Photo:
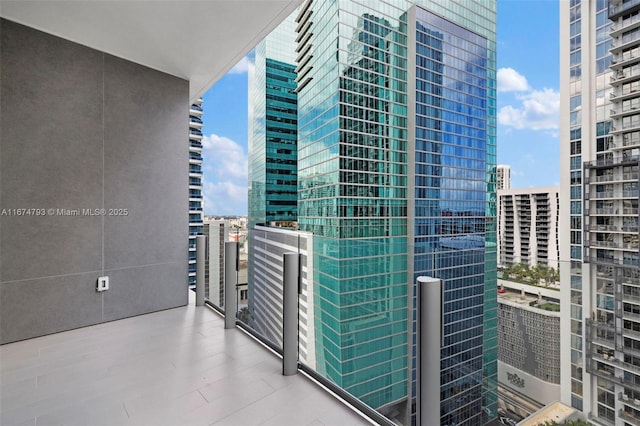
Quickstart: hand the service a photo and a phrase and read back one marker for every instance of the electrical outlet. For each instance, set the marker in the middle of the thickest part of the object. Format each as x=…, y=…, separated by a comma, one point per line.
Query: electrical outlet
x=103, y=284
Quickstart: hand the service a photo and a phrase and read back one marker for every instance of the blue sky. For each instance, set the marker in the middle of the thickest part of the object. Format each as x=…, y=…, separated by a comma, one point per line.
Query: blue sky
x=528, y=101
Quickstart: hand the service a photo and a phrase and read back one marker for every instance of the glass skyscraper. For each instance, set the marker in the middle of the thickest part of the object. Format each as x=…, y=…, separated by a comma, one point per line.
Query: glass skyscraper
x=396, y=179
x=273, y=129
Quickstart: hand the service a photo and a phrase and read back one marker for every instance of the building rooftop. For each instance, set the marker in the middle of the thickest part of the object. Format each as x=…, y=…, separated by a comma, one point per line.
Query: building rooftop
x=174, y=367
x=555, y=412
x=514, y=295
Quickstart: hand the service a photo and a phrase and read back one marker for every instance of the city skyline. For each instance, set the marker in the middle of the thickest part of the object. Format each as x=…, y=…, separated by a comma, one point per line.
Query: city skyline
x=528, y=102
x=395, y=152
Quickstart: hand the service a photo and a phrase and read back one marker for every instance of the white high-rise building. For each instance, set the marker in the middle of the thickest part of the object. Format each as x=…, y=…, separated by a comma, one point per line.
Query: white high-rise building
x=503, y=177
x=600, y=147
x=196, y=211
x=217, y=233
x=528, y=226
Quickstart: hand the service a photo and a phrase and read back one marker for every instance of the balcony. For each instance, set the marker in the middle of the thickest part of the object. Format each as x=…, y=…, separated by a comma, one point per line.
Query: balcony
x=620, y=8
x=604, y=178
x=615, y=161
x=604, y=244
x=177, y=366
x=624, y=25
x=621, y=95
x=622, y=60
x=622, y=77
x=628, y=415
x=623, y=112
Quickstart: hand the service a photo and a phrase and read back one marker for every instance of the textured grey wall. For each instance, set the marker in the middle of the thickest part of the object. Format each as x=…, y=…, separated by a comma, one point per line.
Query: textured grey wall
x=81, y=129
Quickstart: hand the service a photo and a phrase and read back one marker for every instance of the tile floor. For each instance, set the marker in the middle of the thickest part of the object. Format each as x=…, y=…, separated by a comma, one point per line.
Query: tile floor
x=175, y=367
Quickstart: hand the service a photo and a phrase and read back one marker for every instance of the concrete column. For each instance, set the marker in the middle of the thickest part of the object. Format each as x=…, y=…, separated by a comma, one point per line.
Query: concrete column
x=290, y=276
x=429, y=344
x=230, y=281
x=201, y=255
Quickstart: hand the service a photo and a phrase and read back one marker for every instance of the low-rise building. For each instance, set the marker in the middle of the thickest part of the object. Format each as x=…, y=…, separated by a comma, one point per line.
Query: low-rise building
x=529, y=341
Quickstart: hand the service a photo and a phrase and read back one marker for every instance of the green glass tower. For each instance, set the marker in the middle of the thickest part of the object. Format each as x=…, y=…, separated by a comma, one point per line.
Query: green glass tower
x=396, y=179
x=273, y=129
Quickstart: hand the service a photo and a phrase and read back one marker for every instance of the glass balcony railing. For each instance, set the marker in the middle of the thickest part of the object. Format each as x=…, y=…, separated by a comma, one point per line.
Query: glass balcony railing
x=371, y=340
x=618, y=8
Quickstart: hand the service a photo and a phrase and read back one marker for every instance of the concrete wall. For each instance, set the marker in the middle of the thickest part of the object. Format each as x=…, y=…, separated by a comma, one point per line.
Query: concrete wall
x=528, y=385
x=81, y=129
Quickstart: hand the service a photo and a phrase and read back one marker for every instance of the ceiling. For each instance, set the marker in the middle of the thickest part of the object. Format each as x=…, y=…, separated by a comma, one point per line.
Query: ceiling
x=196, y=40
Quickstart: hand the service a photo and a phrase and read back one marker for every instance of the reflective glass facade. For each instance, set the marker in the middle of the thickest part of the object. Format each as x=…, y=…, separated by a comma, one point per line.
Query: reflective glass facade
x=273, y=129
x=454, y=231
x=396, y=155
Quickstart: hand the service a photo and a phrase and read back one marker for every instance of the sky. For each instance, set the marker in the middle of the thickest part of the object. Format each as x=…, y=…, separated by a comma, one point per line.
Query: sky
x=528, y=107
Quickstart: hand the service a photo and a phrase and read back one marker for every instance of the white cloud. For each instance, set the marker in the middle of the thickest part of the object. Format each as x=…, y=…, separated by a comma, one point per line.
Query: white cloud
x=241, y=67
x=225, y=175
x=224, y=198
x=539, y=110
x=226, y=159
x=510, y=80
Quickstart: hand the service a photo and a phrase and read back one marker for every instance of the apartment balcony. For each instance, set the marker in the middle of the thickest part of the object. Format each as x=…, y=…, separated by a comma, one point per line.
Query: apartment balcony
x=620, y=95
x=195, y=135
x=630, y=298
x=618, y=128
x=618, y=8
x=621, y=77
x=619, y=44
x=627, y=140
x=604, y=211
x=600, y=179
x=603, y=244
x=604, y=194
x=623, y=60
x=611, y=228
x=178, y=366
x=629, y=415
x=615, y=194
x=624, y=25
x=619, y=160
x=603, y=260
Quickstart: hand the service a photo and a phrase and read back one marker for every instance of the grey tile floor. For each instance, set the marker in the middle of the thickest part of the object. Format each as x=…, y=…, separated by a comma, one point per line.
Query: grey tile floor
x=175, y=367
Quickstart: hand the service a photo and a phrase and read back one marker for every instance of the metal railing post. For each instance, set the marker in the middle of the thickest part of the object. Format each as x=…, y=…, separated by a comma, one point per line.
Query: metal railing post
x=290, y=277
x=429, y=344
x=230, y=282
x=201, y=253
